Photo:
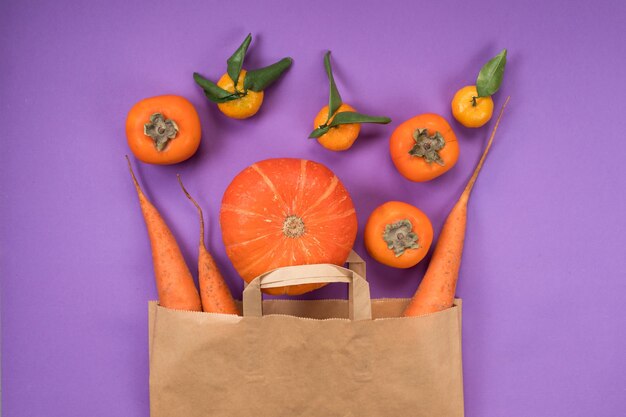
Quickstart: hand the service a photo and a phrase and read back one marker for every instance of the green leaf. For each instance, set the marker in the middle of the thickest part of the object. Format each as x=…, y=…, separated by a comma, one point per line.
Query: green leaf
x=490, y=76
x=212, y=91
x=235, y=62
x=347, y=117
x=260, y=79
x=334, y=100
x=319, y=132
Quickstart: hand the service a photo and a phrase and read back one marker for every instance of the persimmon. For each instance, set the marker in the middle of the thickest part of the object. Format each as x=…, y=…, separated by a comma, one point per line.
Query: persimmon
x=239, y=93
x=163, y=130
x=398, y=234
x=282, y=212
x=424, y=147
x=337, y=125
x=471, y=110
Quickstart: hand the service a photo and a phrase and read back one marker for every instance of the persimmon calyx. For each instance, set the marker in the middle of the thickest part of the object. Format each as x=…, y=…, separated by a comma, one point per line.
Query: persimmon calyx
x=428, y=146
x=293, y=226
x=399, y=237
x=161, y=130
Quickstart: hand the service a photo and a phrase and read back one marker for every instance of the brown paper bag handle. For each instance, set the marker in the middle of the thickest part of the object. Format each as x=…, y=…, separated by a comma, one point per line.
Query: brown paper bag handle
x=359, y=303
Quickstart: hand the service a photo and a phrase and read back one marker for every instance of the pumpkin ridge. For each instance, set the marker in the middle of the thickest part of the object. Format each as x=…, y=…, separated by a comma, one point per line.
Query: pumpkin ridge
x=271, y=186
x=320, y=220
x=305, y=250
x=333, y=185
x=316, y=242
x=299, y=197
x=345, y=247
x=247, y=242
x=237, y=210
x=293, y=253
x=250, y=267
x=337, y=205
x=334, y=208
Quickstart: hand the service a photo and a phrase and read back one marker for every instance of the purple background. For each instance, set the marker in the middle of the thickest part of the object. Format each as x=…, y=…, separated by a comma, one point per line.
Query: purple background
x=543, y=273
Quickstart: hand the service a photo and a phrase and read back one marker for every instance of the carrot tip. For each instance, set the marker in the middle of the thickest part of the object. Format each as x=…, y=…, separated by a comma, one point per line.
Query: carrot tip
x=195, y=203
x=472, y=180
x=180, y=181
x=132, y=174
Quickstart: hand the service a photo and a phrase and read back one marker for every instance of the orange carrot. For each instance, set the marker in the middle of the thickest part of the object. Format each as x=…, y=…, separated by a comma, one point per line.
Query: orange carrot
x=174, y=281
x=215, y=294
x=437, y=289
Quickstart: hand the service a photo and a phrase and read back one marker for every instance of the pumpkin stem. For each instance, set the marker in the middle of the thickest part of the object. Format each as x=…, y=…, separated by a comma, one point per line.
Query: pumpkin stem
x=293, y=226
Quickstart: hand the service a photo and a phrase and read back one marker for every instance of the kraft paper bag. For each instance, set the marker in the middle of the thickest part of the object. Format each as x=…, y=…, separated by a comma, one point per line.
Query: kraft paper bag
x=306, y=358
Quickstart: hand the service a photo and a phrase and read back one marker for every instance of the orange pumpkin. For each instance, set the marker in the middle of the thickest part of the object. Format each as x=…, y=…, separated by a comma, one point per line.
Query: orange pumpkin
x=282, y=212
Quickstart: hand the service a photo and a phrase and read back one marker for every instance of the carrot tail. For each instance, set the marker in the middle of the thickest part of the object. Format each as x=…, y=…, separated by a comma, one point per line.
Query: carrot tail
x=438, y=287
x=215, y=294
x=174, y=281
x=470, y=184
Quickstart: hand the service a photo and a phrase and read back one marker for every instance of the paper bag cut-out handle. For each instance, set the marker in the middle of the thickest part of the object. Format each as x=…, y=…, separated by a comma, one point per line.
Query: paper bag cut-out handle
x=359, y=303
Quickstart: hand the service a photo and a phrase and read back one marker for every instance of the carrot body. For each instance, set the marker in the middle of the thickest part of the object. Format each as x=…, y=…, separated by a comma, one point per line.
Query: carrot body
x=437, y=289
x=174, y=281
x=214, y=293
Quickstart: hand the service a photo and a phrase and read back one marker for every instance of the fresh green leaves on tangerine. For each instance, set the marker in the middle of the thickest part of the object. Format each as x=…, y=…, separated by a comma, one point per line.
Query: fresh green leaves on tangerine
x=260, y=79
x=212, y=91
x=334, y=100
x=235, y=62
x=347, y=117
x=491, y=74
